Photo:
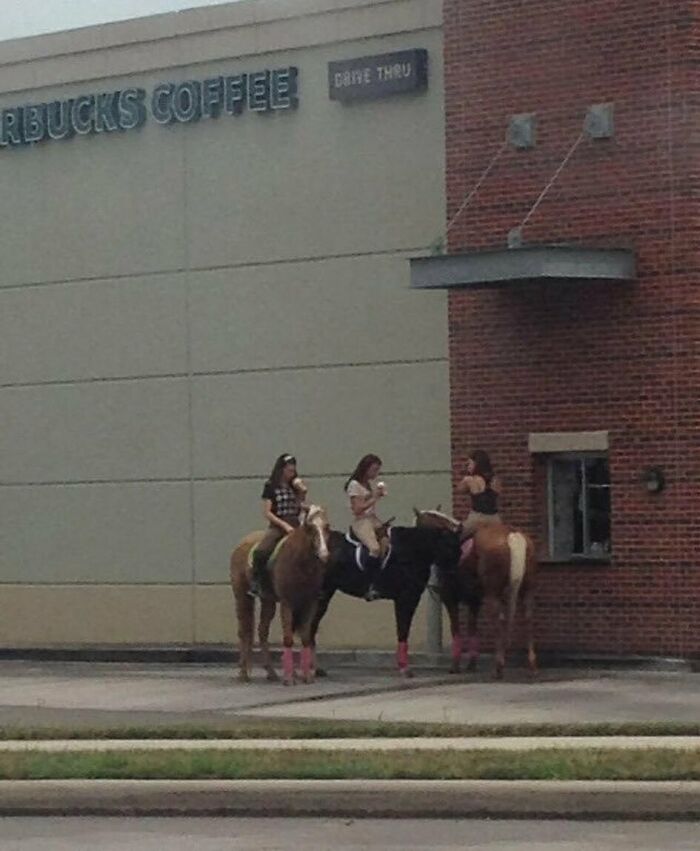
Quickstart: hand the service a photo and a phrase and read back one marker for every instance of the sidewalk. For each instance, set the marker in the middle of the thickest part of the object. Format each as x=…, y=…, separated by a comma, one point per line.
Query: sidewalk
x=124, y=696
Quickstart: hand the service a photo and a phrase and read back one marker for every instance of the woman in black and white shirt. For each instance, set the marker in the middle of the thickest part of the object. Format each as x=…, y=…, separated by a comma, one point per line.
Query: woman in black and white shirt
x=282, y=502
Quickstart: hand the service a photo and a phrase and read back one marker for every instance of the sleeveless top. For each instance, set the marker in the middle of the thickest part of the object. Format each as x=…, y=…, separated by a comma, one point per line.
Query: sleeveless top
x=485, y=502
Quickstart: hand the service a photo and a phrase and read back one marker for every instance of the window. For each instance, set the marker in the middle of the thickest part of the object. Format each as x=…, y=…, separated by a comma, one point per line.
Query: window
x=578, y=499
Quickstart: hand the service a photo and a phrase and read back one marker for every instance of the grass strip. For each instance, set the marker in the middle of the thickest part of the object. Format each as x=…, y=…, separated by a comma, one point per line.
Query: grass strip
x=256, y=728
x=546, y=764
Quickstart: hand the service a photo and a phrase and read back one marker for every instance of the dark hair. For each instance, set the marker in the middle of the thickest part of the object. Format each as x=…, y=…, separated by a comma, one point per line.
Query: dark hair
x=280, y=464
x=360, y=471
x=482, y=464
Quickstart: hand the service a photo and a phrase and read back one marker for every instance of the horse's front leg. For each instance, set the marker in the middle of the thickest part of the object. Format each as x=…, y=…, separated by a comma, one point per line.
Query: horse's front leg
x=267, y=613
x=308, y=661
x=452, y=606
x=321, y=609
x=287, y=617
x=404, y=608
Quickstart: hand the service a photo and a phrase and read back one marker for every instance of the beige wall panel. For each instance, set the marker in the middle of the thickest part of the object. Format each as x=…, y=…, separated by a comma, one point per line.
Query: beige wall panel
x=42, y=616
x=95, y=206
x=341, y=311
x=226, y=511
x=127, y=533
x=96, y=329
x=202, y=34
x=328, y=417
x=349, y=624
x=355, y=178
x=101, y=431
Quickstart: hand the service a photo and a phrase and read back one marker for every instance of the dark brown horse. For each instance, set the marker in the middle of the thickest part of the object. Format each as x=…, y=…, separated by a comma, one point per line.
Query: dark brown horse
x=499, y=566
x=296, y=571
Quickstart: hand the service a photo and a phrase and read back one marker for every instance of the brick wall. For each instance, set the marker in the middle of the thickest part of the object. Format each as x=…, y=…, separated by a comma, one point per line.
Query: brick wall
x=586, y=356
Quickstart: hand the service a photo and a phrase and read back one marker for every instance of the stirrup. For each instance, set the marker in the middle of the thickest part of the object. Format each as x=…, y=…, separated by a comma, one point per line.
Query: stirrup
x=372, y=594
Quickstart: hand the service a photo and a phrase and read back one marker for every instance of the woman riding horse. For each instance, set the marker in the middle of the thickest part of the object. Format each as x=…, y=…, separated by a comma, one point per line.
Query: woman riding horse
x=499, y=564
x=481, y=484
x=282, y=503
x=364, y=493
x=296, y=575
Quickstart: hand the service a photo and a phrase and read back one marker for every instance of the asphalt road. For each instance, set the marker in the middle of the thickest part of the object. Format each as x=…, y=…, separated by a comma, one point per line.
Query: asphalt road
x=69, y=834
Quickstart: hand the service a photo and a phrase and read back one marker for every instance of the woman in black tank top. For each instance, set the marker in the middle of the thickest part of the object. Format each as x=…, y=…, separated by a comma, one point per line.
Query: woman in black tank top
x=483, y=488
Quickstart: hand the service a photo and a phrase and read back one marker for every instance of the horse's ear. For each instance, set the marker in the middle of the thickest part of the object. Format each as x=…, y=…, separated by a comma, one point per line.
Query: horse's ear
x=439, y=506
x=416, y=512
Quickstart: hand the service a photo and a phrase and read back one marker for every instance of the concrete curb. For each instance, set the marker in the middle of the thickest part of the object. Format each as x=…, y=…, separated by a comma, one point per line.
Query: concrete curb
x=355, y=799
x=346, y=745
x=225, y=654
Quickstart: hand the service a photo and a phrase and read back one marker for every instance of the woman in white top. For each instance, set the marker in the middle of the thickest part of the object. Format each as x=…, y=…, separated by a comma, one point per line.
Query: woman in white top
x=364, y=493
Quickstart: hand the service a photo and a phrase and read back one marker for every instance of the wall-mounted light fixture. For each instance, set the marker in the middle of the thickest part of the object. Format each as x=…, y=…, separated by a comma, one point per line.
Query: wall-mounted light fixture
x=653, y=479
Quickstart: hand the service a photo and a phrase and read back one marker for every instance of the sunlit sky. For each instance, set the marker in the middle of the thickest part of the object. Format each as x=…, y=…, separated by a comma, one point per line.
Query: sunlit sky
x=19, y=18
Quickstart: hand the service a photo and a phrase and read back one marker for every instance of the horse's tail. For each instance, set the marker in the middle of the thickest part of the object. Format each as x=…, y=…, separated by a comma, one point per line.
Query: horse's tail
x=517, y=544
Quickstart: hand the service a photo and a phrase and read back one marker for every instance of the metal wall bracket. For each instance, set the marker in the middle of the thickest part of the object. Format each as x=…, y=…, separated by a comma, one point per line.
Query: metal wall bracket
x=599, y=122
x=522, y=131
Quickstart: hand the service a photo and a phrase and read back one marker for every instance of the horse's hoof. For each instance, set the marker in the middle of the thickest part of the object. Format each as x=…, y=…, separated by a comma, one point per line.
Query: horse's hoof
x=471, y=665
x=406, y=673
x=272, y=676
x=308, y=679
x=243, y=677
x=321, y=672
x=498, y=673
x=455, y=668
x=287, y=681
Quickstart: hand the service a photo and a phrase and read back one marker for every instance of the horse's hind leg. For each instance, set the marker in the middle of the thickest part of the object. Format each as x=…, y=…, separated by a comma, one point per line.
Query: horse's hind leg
x=267, y=613
x=287, y=618
x=501, y=637
x=472, y=635
x=528, y=604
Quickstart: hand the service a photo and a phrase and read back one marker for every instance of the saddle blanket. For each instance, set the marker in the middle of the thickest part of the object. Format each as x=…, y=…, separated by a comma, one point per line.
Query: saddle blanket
x=362, y=553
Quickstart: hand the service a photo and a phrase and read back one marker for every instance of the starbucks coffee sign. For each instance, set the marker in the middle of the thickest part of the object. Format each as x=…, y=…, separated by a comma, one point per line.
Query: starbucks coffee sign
x=168, y=103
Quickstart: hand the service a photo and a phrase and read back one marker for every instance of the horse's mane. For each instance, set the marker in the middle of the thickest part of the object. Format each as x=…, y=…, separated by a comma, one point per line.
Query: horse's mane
x=440, y=515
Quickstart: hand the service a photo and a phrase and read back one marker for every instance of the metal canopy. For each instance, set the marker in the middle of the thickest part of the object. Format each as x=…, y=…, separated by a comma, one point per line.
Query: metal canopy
x=526, y=263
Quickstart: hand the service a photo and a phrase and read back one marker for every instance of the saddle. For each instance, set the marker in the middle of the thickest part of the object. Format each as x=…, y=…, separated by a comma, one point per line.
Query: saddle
x=361, y=553
x=271, y=557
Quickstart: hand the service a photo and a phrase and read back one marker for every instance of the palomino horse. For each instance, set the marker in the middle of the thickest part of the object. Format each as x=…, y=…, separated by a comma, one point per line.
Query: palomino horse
x=296, y=570
x=499, y=566
x=402, y=579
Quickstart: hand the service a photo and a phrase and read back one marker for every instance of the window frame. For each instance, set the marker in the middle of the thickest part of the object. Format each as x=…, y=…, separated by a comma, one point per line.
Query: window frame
x=580, y=456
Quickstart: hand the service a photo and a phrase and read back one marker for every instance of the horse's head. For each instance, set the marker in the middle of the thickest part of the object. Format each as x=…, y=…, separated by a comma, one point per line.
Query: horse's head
x=317, y=528
x=436, y=520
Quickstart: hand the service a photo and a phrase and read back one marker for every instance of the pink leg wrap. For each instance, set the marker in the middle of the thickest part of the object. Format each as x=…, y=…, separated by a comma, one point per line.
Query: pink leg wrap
x=402, y=655
x=288, y=663
x=473, y=646
x=306, y=661
x=456, y=646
